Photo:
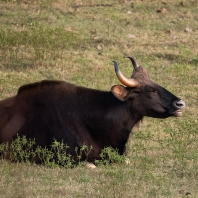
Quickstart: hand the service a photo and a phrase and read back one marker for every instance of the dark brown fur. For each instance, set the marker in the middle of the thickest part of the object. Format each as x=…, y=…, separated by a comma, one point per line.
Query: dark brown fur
x=78, y=116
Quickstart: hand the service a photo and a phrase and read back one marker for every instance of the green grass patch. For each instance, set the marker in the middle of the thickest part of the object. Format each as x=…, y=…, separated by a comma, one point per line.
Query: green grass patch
x=35, y=44
x=76, y=41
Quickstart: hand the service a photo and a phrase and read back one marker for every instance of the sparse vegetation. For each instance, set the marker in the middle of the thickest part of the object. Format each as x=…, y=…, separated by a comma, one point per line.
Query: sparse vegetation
x=76, y=41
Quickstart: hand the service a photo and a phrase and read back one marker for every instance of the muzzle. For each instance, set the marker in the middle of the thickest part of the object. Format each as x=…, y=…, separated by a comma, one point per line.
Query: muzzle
x=179, y=105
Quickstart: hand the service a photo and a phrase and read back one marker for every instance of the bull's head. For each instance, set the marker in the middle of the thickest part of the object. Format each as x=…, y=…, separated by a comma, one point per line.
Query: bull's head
x=148, y=98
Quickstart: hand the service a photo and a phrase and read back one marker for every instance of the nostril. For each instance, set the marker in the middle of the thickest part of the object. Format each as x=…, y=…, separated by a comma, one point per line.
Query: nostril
x=179, y=104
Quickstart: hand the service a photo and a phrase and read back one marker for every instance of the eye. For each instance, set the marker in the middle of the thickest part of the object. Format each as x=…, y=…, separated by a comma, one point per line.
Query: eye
x=151, y=90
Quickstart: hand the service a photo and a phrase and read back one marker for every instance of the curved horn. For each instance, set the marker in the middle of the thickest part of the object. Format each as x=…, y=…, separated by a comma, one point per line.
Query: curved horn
x=135, y=64
x=130, y=82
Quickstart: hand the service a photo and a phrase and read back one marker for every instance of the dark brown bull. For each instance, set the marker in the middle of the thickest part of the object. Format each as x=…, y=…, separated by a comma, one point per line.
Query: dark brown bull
x=78, y=116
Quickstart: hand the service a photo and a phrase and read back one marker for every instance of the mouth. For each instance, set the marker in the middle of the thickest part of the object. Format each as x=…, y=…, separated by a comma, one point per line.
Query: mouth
x=177, y=113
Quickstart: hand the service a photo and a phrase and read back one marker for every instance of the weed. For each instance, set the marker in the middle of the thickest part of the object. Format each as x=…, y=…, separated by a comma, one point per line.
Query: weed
x=63, y=158
x=21, y=149
x=3, y=150
x=109, y=155
x=82, y=152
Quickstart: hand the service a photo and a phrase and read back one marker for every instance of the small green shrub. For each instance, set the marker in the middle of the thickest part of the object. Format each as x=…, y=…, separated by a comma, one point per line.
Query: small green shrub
x=109, y=155
x=63, y=158
x=21, y=149
x=82, y=152
x=3, y=150
x=25, y=150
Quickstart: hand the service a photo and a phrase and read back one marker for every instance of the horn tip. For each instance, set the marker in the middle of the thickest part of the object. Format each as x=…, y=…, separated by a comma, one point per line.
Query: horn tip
x=116, y=65
x=135, y=64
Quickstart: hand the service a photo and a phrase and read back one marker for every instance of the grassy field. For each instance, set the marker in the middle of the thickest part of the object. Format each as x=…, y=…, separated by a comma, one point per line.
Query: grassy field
x=76, y=41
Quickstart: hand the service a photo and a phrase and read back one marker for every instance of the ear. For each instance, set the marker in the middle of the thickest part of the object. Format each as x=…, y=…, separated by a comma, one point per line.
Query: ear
x=119, y=92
